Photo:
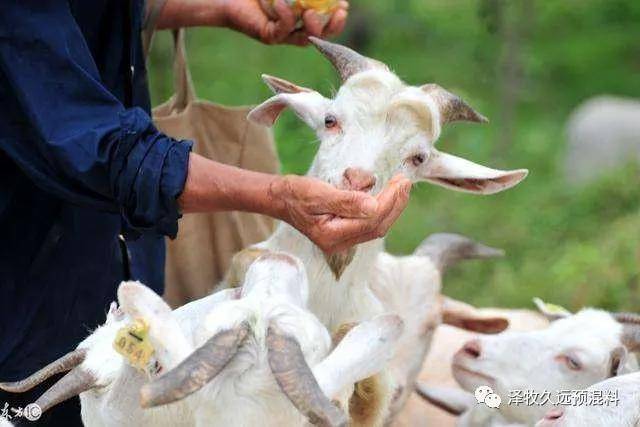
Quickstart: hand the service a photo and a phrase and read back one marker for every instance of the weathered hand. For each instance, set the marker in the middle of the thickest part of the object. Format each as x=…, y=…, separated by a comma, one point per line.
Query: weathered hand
x=247, y=16
x=334, y=219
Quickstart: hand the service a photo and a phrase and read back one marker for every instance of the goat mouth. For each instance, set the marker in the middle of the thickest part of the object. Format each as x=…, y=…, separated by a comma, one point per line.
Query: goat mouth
x=459, y=369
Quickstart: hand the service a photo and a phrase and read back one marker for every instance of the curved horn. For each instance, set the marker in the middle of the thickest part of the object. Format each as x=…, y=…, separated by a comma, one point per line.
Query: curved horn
x=297, y=381
x=627, y=318
x=346, y=61
x=631, y=336
x=447, y=249
x=72, y=384
x=195, y=371
x=452, y=107
x=63, y=364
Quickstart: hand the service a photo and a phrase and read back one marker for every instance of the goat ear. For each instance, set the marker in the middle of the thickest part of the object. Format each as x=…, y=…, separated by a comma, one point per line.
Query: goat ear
x=309, y=106
x=453, y=400
x=362, y=353
x=462, y=175
x=465, y=316
x=618, y=361
x=140, y=302
x=278, y=85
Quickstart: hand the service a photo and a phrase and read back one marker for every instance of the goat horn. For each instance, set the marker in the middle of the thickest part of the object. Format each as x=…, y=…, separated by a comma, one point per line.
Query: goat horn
x=627, y=318
x=346, y=61
x=63, y=364
x=72, y=384
x=195, y=371
x=452, y=107
x=296, y=380
x=631, y=336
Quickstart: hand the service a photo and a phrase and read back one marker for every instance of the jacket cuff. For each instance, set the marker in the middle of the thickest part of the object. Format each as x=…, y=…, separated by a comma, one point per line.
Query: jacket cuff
x=149, y=171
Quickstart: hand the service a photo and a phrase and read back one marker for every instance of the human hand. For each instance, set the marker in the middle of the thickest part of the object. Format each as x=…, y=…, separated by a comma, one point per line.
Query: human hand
x=334, y=219
x=247, y=16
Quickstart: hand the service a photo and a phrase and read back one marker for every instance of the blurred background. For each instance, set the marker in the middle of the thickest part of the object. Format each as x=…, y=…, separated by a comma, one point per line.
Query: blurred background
x=572, y=229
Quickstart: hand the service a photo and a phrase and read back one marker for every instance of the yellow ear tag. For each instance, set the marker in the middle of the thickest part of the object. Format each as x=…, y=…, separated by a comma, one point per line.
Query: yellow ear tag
x=550, y=308
x=132, y=342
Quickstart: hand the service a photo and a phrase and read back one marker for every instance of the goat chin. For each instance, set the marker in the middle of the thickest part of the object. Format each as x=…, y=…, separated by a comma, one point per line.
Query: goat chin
x=333, y=301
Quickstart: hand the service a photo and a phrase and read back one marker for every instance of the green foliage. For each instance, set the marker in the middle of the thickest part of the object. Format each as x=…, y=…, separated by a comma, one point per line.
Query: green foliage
x=573, y=247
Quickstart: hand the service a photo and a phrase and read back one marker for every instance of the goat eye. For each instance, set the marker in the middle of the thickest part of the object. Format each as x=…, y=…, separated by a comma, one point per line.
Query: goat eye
x=573, y=363
x=418, y=159
x=330, y=121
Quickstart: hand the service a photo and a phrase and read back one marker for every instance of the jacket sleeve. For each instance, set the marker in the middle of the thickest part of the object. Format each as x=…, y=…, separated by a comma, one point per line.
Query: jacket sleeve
x=66, y=131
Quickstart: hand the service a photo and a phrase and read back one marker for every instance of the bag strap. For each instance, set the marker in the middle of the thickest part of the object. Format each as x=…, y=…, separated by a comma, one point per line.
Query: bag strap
x=182, y=82
x=153, y=9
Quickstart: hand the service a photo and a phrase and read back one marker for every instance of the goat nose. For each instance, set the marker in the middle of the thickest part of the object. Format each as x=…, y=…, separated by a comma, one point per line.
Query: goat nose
x=554, y=414
x=472, y=349
x=357, y=179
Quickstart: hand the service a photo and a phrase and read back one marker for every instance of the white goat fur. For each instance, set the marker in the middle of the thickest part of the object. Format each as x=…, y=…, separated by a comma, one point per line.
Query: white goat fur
x=537, y=360
x=245, y=392
x=625, y=413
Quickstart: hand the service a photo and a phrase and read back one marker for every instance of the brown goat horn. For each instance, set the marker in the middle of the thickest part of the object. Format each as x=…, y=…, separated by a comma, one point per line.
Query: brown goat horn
x=297, y=381
x=72, y=384
x=346, y=61
x=452, y=107
x=627, y=318
x=63, y=364
x=631, y=336
x=195, y=371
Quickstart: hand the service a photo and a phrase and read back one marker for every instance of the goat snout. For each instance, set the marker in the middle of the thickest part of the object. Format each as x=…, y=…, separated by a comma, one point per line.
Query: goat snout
x=551, y=418
x=357, y=179
x=472, y=349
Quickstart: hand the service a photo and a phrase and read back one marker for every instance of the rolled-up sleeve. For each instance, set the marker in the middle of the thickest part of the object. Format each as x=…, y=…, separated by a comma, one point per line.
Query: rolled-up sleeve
x=72, y=137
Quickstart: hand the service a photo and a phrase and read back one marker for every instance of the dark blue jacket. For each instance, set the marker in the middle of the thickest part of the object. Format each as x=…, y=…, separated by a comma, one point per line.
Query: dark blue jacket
x=80, y=163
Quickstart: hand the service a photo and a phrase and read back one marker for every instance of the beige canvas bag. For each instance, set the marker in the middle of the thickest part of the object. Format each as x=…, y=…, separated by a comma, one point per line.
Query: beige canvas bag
x=200, y=255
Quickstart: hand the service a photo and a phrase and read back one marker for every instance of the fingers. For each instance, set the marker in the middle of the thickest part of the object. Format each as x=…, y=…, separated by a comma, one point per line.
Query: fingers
x=348, y=204
x=313, y=23
x=391, y=202
x=285, y=24
x=338, y=20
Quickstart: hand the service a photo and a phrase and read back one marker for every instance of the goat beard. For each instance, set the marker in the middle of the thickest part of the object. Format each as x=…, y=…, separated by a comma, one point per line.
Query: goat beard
x=339, y=262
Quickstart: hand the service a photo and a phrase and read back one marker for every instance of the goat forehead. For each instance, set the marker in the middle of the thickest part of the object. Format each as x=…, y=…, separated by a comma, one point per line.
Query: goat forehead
x=369, y=92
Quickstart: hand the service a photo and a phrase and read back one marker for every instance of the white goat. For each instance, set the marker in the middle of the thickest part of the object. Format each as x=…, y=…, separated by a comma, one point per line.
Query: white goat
x=603, y=134
x=436, y=370
x=573, y=353
x=259, y=355
x=620, y=406
x=375, y=127
x=411, y=286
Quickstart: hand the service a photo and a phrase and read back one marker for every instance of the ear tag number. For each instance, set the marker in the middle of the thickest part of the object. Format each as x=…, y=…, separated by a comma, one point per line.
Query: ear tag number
x=132, y=342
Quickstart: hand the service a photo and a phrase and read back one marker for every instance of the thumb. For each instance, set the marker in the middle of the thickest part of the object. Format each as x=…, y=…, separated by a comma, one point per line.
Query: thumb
x=351, y=204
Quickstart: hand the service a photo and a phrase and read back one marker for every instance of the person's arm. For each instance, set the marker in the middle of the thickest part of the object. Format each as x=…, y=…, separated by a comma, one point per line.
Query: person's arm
x=72, y=138
x=333, y=219
x=69, y=135
x=247, y=16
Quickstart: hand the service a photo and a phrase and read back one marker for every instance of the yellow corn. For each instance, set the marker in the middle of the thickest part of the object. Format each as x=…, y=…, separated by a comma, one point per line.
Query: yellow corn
x=323, y=7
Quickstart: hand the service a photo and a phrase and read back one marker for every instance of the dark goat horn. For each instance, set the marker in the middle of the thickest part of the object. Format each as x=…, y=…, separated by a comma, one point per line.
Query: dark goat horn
x=631, y=337
x=72, y=384
x=63, y=364
x=627, y=318
x=296, y=380
x=195, y=371
x=452, y=107
x=346, y=61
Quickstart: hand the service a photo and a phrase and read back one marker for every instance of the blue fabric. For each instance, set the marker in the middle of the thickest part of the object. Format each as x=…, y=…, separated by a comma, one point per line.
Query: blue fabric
x=77, y=168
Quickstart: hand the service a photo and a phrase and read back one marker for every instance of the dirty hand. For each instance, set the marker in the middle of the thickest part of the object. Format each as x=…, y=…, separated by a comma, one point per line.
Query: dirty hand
x=334, y=219
x=248, y=16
